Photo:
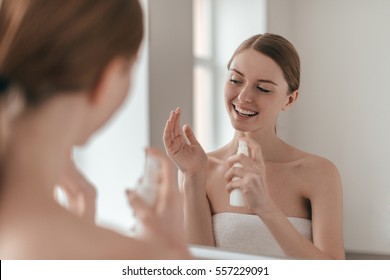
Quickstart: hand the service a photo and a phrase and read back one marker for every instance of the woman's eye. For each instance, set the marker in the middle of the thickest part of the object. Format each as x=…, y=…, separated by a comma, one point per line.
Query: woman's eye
x=233, y=81
x=263, y=90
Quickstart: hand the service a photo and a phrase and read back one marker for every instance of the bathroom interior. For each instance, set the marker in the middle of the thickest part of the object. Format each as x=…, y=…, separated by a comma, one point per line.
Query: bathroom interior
x=341, y=114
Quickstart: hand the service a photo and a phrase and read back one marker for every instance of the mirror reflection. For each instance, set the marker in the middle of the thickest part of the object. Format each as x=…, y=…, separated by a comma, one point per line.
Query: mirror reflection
x=341, y=104
x=339, y=113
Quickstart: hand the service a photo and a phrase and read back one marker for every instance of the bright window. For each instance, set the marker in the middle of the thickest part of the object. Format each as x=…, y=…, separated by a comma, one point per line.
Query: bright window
x=219, y=27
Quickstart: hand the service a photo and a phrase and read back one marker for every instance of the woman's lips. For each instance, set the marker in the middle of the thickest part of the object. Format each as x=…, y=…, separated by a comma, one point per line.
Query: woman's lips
x=244, y=112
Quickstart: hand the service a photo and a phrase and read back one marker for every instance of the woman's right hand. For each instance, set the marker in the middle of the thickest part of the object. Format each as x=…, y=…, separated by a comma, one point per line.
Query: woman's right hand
x=80, y=193
x=163, y=222
x=188, y=156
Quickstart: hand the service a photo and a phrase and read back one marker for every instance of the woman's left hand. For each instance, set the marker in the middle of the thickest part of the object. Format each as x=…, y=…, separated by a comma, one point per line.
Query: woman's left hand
x=251, y=178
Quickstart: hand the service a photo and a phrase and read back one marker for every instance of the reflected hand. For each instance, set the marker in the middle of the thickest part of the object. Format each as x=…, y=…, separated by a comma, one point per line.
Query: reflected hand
x=183, y=148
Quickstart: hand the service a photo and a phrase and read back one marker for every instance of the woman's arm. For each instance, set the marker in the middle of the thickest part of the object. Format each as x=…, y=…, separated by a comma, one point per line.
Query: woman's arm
x=189, y=156
x=327, y=220
x=197, y=212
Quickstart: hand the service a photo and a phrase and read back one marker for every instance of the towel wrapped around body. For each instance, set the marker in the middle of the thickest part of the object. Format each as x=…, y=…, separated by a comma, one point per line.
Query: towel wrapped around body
x=248, y=234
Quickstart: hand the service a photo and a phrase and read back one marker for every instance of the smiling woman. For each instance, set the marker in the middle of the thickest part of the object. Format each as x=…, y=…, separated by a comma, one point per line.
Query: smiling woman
x=276, y=55
x=293, y=198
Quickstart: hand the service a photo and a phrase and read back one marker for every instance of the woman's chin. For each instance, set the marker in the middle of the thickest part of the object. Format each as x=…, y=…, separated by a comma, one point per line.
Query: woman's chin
x=240, y=127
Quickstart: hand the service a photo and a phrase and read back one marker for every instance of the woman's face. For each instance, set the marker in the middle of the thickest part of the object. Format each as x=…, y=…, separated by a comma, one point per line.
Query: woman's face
x=255, y=92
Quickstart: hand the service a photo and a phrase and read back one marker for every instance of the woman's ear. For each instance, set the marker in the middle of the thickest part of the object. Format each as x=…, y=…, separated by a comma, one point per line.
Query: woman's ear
x=106, y=80
x=291, y=98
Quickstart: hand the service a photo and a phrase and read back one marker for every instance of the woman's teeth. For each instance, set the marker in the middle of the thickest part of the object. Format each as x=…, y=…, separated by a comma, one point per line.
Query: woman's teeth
x=243, y=112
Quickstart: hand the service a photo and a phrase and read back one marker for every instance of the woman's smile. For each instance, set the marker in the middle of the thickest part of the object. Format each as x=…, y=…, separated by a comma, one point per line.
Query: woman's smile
x=244, y=112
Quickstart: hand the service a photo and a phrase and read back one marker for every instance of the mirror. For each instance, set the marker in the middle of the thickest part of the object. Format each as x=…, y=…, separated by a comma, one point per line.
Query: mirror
x=342, y=110
x=341, y=113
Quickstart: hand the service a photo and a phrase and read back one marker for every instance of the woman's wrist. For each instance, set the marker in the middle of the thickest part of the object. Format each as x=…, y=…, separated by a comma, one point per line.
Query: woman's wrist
x=195, y=172
x=194, y=185
x=197, y=175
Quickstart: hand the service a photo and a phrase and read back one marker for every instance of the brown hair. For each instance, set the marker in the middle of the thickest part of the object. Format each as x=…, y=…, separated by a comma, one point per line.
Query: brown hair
x=280, y=50
x=47, y=46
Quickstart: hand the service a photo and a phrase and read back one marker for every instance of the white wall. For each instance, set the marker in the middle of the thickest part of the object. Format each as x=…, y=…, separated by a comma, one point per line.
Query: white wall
x=342, y=112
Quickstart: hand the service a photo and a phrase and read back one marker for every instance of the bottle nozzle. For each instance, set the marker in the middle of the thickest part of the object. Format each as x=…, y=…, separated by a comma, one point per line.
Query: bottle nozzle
x=242, y=148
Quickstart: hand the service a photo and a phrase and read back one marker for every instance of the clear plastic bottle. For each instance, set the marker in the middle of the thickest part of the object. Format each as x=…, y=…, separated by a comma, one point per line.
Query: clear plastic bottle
x=236, y=196
x=148, y=188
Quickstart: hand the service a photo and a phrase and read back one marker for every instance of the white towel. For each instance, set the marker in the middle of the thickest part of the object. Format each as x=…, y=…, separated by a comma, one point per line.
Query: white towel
x=248, y=234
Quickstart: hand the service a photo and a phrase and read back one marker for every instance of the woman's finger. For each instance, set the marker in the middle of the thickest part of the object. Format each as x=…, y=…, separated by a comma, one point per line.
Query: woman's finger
x=234, y=172
x=68, y=186
x=254, y=150
x=142, y=210
x=168, y=131
x=241, y=159
x=176, y=129
x=190, y=135
x=236, y=184
x=166, y=170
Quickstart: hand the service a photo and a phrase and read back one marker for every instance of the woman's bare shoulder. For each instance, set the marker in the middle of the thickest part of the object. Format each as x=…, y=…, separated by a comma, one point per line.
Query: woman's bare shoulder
x=65, y=236
x=318, y=173
x=317, y=165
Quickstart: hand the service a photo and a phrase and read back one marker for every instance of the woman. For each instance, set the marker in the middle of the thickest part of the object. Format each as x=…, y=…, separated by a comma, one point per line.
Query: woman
x=293, y=199
x=72, y=61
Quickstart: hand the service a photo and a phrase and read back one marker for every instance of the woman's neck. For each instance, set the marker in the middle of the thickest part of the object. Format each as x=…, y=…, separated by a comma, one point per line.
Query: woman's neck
x=39, y=142
x=273, y=148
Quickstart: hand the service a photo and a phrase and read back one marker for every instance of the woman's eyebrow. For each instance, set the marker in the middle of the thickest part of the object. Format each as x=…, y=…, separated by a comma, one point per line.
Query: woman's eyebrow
x=238, y=72
x=260, y=80
x=267, y=81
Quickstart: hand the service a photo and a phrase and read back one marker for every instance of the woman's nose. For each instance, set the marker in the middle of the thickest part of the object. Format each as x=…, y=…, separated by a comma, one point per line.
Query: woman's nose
x=245, y=95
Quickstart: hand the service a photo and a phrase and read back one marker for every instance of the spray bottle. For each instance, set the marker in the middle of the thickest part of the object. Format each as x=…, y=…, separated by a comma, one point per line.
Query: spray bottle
x=236, y=196
x=148, y=188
